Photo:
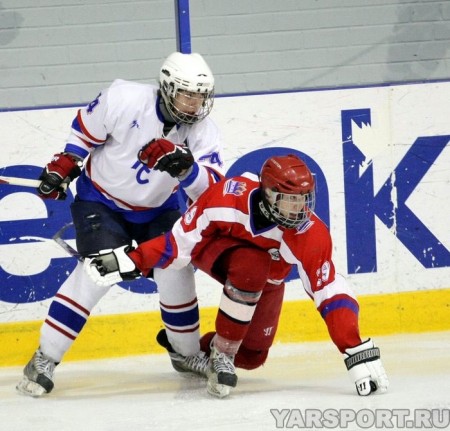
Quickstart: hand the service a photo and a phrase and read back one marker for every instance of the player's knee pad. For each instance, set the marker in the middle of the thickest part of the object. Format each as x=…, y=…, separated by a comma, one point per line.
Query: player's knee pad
x=236, y=311
x=249, y=359
x=248, y=297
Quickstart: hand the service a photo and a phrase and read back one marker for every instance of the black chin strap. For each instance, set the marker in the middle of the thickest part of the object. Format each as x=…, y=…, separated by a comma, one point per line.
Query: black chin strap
x=264, y=212
x=261, y=217
x=169, y=123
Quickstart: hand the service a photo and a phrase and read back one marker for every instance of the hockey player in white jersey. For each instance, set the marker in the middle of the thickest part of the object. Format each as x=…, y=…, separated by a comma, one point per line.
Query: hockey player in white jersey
x=131, y=149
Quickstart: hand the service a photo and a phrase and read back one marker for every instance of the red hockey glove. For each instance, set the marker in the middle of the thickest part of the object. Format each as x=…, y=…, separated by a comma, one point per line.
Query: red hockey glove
x=56, y=176
x=163, y=155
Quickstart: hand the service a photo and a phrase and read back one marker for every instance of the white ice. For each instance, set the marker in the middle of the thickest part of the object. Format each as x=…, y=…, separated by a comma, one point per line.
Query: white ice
x=144, y=393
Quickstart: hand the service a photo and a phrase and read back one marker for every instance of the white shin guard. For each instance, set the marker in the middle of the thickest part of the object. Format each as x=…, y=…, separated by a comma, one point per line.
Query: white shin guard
x=78, y=294
x=179, y=308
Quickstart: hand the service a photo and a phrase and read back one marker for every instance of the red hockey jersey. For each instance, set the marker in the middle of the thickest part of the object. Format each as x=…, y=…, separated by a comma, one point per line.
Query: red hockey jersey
x=225, y=210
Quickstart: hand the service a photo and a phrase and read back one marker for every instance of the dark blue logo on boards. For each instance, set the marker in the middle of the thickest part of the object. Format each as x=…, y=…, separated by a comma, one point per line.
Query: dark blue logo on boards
x=363, y=205
x=16, y=234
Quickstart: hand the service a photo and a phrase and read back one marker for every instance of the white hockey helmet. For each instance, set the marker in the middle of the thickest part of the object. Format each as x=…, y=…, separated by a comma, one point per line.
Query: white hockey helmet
x=190, y=76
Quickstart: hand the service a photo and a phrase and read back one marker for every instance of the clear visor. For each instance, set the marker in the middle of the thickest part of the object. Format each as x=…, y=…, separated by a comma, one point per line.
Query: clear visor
x=188, y=107
x=291, y=210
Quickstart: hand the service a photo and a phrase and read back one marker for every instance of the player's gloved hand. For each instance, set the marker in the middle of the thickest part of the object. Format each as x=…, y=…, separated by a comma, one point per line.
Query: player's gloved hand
x=365, y=368
x=111, y=266
x=57, y=175
x=163, y=155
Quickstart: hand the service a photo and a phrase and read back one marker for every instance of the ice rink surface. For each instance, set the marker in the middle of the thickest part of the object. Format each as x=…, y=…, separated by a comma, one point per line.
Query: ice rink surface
x=298, y=381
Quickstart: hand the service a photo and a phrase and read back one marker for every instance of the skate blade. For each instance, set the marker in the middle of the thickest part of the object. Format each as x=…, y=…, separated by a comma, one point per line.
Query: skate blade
x=30, y=388
x=217, y=390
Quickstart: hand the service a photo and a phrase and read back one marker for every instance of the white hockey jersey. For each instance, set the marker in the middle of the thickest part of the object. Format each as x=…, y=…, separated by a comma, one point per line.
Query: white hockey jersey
x=113, y=128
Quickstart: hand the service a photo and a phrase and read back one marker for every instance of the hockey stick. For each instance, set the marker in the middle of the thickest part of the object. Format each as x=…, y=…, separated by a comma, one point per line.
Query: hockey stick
x=16, y=181
x=64, y=244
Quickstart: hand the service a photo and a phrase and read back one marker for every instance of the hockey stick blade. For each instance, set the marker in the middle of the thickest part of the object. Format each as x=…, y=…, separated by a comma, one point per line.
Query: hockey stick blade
x=16, y=181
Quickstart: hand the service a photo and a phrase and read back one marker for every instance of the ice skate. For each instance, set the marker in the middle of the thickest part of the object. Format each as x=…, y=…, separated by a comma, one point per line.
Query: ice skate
x=221, y=374
x=195, y=364
x=37, y=377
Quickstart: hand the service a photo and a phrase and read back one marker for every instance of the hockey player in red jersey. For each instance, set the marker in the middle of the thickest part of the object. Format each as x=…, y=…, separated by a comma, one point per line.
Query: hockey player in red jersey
x=247, y=232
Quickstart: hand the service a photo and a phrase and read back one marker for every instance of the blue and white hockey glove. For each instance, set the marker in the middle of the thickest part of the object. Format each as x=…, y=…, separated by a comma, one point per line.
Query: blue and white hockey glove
x=365, y=368
x=111, y=266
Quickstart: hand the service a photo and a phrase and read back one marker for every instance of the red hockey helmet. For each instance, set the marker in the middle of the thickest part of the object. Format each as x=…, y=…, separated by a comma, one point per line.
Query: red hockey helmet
x=288, y=195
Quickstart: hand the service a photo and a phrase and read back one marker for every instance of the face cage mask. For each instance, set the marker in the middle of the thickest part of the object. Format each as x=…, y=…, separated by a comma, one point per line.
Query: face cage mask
x=182, y=117
x=278, y=205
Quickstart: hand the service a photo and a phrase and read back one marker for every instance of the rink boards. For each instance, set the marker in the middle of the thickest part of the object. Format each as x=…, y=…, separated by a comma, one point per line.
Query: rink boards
x=381, y=159
x=134, y=333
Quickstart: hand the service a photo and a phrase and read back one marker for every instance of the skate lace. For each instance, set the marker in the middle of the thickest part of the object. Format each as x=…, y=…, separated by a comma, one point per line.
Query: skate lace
x=197, y=363
x=43, y=365
x=223, y=363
